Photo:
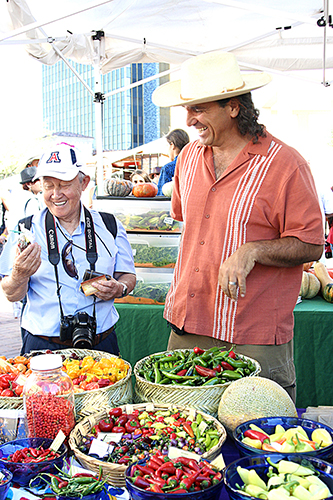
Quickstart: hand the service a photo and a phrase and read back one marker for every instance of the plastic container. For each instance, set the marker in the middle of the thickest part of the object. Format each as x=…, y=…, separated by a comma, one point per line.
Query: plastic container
x=152, y=286
x=154, y=250
x=48, y=398
x=141, y=214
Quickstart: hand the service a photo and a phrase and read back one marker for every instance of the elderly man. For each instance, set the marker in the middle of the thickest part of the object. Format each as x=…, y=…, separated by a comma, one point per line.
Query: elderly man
x=251, y=218
x=69, y=242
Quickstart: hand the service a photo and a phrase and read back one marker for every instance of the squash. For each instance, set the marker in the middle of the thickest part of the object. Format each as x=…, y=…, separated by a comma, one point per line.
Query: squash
x=310, y=286
x=307, y=266
x=325, y=279
x=118, y=187
x=253, y=397
x=167, y=188
x=145, y=190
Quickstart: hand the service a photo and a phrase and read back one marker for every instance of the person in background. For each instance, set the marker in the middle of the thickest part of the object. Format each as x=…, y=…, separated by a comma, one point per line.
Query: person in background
x=177, y=139
x=49, y=270
x=3, y=223
x=139, y=176
x=155, y=175
x=251, y=219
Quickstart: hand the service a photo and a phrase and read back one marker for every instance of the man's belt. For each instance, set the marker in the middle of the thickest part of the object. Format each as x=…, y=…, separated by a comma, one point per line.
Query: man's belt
x=178, y=331
x=98, y=338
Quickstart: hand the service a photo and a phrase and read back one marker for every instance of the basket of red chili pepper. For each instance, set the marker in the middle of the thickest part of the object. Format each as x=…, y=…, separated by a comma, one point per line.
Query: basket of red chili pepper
x=156, y=479
x=191, y=377
x=135, y=431
x=27, y=457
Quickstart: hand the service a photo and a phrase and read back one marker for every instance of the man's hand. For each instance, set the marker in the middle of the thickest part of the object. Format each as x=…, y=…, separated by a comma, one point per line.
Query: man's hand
x=113, y=289
x=233, y=272
x=282, y=252
x=27, y=262
x=25, y=265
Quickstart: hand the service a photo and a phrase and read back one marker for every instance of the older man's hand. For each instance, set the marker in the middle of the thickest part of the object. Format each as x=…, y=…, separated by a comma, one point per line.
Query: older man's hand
x=26, y=262
x=233, y=272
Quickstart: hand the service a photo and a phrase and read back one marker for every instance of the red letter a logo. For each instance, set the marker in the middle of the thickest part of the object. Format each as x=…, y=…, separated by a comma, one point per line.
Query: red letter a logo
x=54, y=158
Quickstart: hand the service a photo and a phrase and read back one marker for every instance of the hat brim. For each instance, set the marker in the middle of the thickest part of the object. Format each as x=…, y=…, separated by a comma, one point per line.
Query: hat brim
x=169, y=94
x=67, y=175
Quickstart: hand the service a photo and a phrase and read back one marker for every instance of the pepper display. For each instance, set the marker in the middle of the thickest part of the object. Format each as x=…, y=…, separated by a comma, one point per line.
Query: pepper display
x=196, y=367
x=32, y=455
x=67, y=485
x=179, y=475
x=148, y=431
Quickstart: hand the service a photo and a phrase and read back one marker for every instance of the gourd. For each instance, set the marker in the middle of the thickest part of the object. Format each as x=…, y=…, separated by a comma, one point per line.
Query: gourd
x=253, y=397
x=167, y=188
x=145, y=190
x=307, y=266
x=310, y=286
x=325, y=280
x=118, y=187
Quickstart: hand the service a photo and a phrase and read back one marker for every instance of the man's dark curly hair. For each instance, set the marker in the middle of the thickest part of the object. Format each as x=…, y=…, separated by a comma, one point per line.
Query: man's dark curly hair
x=247, y=118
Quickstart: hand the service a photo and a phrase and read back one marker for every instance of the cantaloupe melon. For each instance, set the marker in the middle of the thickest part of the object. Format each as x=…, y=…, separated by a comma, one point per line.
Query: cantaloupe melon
x=253, y=397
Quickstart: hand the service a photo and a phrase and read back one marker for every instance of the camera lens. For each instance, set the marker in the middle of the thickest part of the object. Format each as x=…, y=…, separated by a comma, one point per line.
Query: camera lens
x=83, y=338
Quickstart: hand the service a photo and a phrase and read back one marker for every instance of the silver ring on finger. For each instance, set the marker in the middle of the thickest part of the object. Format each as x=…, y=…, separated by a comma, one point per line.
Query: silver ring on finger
x=233, y=283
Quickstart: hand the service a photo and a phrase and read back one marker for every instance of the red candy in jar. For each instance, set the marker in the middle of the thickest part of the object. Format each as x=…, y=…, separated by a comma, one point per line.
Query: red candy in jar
x=48, y=398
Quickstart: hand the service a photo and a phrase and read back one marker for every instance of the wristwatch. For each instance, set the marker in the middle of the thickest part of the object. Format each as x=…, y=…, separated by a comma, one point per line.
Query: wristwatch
x=124, y=290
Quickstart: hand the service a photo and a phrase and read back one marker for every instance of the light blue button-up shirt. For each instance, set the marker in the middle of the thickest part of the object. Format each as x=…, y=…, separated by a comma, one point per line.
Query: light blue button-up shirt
x=41, y=315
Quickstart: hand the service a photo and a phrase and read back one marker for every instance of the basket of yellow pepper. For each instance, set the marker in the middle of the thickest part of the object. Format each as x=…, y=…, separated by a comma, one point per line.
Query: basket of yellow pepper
x=100, y=380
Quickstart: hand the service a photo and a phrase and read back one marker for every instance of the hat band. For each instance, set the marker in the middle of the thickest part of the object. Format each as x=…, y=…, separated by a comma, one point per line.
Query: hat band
x=223, y=91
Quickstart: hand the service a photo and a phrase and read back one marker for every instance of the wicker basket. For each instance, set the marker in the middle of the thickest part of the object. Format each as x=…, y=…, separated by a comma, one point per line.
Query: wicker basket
x=114, y=474
x=204, y=398
x=88, y=402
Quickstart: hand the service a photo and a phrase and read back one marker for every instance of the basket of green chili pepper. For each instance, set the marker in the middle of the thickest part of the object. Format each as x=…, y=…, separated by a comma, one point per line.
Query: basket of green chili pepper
x=191, y=377
x=81, y=485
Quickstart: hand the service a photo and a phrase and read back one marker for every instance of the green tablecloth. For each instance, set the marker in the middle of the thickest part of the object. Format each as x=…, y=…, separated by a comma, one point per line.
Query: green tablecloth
x=141, y=331
x=313, y=352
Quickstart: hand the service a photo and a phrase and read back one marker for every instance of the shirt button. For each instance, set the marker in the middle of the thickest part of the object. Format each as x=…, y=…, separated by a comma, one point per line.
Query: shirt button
x=207, y=216
x=192, y=294
x=213, y=189
x=196, y=269
x=202, y=242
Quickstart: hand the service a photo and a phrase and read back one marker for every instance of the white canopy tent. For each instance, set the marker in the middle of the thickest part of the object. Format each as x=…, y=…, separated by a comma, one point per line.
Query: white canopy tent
x=278, y=37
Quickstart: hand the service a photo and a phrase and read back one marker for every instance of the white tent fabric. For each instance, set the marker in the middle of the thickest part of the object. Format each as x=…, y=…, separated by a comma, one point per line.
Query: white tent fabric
x=173, y=30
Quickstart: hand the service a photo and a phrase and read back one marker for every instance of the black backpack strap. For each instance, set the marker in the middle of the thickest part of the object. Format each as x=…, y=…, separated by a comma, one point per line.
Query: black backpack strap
x=26, y=221
x=110, y=222
x=108, y=219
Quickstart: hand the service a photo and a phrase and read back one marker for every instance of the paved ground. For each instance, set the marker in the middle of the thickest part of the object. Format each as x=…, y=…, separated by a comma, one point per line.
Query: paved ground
x=10, y=332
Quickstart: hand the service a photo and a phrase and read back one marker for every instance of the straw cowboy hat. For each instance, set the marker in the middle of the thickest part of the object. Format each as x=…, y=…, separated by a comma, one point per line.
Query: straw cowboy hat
x=206, y=78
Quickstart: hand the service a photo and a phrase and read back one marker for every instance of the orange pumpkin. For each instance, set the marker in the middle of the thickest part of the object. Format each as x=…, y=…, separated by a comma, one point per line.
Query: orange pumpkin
x=145, y=190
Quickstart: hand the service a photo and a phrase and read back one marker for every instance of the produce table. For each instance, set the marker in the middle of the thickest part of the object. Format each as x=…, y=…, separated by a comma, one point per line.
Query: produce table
x=142, y=330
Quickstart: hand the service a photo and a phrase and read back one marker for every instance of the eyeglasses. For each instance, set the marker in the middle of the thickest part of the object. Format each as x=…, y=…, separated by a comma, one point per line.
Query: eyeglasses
x=68, y=260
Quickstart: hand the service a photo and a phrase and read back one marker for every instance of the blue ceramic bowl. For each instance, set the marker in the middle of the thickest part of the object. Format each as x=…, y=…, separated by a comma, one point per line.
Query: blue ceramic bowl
x=7, y=481
x=260, y=464
x=212, y=493
x=23, y=473
x=268, y=424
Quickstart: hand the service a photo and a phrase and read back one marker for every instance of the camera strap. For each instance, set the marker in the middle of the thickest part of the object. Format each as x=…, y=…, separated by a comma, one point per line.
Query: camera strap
x=53, y=248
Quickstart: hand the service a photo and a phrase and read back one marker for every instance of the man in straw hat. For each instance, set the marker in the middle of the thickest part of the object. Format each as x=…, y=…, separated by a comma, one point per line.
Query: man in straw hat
x=251, y=218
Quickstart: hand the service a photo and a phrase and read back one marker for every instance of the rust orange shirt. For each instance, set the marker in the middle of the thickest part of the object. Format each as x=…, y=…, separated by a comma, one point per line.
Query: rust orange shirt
x=266, y=193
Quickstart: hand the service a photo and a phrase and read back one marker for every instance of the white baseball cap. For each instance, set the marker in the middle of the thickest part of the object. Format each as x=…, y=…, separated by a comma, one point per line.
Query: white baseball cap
x=61, y=161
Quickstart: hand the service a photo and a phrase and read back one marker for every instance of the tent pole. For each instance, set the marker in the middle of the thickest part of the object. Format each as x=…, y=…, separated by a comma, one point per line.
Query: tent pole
x=98, y=105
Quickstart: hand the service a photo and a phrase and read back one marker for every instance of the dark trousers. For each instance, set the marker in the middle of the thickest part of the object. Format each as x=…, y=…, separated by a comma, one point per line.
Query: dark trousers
x=34, y=343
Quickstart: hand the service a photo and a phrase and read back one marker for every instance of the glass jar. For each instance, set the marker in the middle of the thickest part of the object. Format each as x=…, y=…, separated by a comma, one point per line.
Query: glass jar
x=48, y=398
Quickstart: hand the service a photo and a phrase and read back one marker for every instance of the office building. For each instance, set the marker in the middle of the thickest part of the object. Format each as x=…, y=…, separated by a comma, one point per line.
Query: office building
x=129, y=120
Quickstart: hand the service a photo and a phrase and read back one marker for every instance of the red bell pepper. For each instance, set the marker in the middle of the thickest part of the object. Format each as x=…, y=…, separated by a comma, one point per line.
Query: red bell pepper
x=105, y=425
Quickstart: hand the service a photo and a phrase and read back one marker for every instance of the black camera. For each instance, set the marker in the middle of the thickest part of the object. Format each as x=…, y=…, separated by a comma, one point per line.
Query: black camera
x=80, y=329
